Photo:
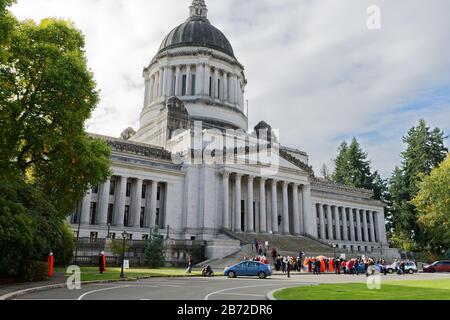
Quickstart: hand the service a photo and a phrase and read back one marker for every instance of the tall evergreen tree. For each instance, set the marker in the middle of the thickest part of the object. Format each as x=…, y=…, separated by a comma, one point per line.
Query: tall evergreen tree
x=352, y=168
x=424, y=151
x=154, y=251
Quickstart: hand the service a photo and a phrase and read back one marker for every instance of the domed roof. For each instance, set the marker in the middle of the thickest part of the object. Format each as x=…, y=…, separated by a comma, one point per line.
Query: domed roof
x=197, y=31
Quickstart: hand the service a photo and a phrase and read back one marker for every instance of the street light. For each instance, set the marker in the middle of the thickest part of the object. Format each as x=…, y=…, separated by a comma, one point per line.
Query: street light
x=109, y=231
x=124, y=235
x=334, y=247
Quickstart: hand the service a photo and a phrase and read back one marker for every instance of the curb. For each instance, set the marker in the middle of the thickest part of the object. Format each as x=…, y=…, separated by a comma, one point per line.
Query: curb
x=270, y=296
x=15, y=294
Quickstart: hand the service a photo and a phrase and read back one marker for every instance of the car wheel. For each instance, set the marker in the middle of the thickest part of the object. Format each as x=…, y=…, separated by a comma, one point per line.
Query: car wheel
x=390, y=271
x=262, y=275
x=231, y=274
x=432, y=270
x=411, y=271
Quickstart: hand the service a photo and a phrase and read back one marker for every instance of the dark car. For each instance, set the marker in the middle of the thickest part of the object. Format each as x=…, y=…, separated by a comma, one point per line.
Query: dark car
x=248, y=268
x=438, y=266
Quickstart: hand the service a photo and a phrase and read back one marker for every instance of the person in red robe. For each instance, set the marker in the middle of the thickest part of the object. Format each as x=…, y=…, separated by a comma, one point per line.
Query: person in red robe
x=322, y=266
x=102, y=262
x=50, y=261
x=331, y=265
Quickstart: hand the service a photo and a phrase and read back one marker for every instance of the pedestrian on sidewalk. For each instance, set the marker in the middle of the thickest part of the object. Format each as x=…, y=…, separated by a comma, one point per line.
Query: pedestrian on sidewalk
x=189, y=268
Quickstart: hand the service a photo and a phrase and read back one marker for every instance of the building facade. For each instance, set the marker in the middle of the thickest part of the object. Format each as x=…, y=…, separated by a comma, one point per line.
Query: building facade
x=193, y=112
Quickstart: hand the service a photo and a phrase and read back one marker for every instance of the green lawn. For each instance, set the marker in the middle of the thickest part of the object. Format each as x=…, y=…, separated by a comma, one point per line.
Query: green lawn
x=390, y=290
x=92, y=274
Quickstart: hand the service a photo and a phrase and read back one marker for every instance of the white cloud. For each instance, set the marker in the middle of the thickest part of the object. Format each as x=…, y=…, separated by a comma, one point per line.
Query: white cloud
x=314, y=69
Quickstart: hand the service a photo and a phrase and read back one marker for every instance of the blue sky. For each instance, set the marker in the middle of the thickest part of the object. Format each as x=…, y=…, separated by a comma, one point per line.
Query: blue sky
x=314, y=69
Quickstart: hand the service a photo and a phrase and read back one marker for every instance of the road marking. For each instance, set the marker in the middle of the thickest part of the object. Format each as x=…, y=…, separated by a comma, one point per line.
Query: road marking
x=229, y=289
x=241, y=294
x=98, y=290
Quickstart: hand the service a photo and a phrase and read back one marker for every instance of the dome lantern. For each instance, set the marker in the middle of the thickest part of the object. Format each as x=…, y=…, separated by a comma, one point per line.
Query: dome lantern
x=198, y=9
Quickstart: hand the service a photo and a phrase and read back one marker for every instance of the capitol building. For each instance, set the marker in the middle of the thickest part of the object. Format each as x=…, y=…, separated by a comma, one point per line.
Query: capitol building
x=195, y=170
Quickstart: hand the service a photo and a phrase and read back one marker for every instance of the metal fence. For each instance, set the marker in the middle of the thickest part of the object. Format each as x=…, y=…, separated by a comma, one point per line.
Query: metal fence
x=116, y=261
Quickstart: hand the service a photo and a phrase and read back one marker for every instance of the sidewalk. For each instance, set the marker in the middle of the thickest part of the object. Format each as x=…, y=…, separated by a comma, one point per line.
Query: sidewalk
x=58, y=278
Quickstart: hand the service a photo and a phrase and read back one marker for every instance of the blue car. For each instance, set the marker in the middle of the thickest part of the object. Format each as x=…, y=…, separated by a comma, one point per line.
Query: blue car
x=362, y=269
x=249, y=269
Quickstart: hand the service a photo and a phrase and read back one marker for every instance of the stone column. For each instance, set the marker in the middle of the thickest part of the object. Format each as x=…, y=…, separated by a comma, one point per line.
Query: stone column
x=119, y=205
x=226, y=200
x=169, y=85
x=295, y=209
x=262, y=206
x=147, y=91
x=330, y=223
x=161, y=81
x=238, y=213
x=86, y=208
x=310, y=216
x=177, y=81
x=136, y=203
x=236, y=90
x=225, y=86
x=352, y=224
x=345, y=224
x=300, y=209
x=285, y=208
x=152, y=89
x=322, y=222
x=250, y=218
x=358, y=225
x=337, y=224
x=381, y=227
x=103, y=203
x=365, y=226
x=153, y=203
x=188, y=80
x=372, y=226
x=200, y=79
x=274, y=206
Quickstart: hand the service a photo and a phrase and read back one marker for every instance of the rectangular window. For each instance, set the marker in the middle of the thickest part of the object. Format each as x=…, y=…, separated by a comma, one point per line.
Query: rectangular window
x=193, y=85
x=145, y=237
x=158, y=195
x=126, y=216
x=157, y=218
x=210, y=86
x=93, y=237
x=128, y=189
x=242, y=215
x=112, y=187
x=95, y=189
x=183, y=85
x=218, y=88
x=144, y=191
x=93, y=213
x=110, y=213
x=142, y=217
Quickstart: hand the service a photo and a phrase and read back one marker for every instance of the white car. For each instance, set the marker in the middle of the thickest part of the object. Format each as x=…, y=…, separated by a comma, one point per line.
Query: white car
x=410, y=267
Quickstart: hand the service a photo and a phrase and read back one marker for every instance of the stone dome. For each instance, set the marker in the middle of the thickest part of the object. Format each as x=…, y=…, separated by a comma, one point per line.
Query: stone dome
x=197, y=31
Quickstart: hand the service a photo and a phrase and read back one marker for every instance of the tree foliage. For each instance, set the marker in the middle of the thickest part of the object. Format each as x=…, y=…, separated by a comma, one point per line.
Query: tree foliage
x=353, y=169
x=47, y=93
x=154, y=251
x=433, y=206
x=47, y=160
x=424, y=151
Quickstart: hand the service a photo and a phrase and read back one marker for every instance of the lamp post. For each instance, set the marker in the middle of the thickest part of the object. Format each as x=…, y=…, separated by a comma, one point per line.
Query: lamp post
x=124, y=235
x=109, y=231
x=78, y=215
x=334, y=248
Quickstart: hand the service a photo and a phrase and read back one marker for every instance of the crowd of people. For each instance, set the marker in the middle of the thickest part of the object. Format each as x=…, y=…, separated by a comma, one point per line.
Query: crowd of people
x=322, y=264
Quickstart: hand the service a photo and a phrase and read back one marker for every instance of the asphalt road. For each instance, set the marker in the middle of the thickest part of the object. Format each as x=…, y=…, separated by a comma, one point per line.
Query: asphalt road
x=218, y=288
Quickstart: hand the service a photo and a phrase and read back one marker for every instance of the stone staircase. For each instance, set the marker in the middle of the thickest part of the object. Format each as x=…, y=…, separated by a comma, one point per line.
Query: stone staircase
x=287, y=244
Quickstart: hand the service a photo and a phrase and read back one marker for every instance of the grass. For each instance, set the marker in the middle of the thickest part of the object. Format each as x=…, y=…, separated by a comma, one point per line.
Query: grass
x=92, y=274
x=390, y=290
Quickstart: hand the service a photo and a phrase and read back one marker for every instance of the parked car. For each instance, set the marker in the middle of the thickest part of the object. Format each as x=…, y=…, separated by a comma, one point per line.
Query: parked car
x=249, y=268
x=361, y=268
x=410, y=267
x=438, y=266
